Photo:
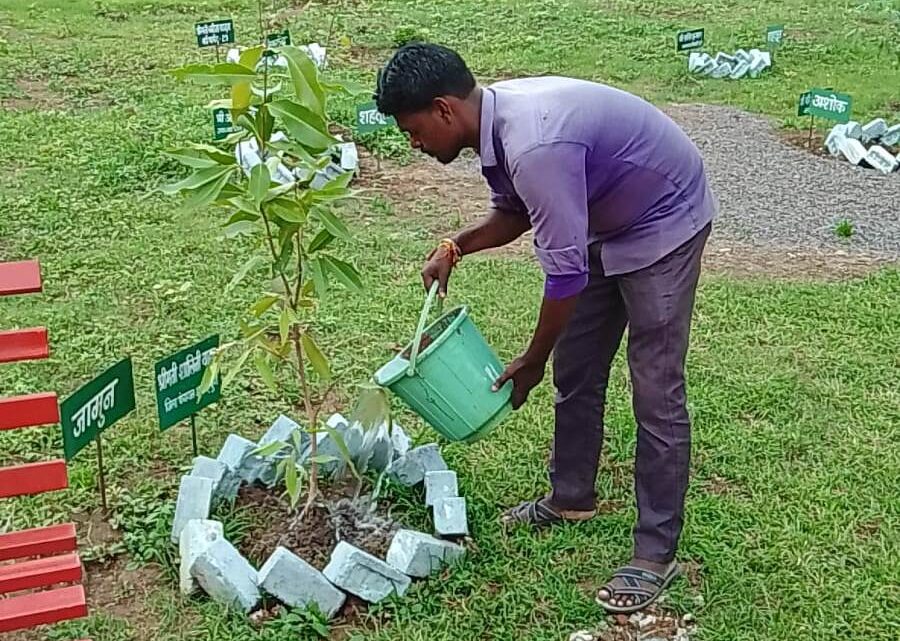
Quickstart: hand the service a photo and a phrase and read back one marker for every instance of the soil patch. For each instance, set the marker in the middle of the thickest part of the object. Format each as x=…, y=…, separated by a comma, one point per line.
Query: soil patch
x=36, y=94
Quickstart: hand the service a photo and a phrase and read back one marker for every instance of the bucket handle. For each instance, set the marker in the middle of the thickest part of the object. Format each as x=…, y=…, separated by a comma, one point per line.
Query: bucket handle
x=423, y=318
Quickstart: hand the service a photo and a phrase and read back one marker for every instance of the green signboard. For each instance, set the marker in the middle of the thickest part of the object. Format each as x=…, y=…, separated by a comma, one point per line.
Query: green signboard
x=369, y=119
x=687, y=40
x=96, y=407
x=177, y=378
x=280, y=39
x=774, y=35
x=825, y=104
x=214, y=33
x=222, y=124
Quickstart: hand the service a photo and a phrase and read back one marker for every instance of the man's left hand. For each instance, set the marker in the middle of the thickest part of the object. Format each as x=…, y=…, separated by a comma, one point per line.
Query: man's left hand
x=525, y=373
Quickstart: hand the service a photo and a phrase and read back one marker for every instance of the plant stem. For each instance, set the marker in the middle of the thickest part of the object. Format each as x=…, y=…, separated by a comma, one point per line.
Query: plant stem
x=312, y=417
x=271, y=242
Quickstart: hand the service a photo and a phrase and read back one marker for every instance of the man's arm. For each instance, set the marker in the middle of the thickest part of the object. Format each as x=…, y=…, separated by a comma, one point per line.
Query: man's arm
x=498, y=228
x=527, y=371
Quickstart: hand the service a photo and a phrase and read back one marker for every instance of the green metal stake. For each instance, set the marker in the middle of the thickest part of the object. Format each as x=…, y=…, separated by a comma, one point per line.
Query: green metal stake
x=194, y=434
x=102, y=475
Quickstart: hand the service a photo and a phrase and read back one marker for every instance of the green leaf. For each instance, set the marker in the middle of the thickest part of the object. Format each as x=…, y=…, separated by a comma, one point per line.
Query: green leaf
x=291, y=483
x=305, y=79
x=206, y=194
x=265, y=371
x=306, y=127
x=339, y=183
x=259, y=183
x=284, y=326
x=321, y=241
x=345, y=273
x=245, y=204
x=213, y=153
x=196, y=180
x=316, y=357
x=263, y=305
x=192, y=158
x=227, y=73
x=338, y=439
x=352, y=89
x=280, y=190
x=236, y=369
x=321, y=459
x=318, y=276
x=210, y=374
x=270, y=449
x=297, y=439
x=293, y=149
x=288, y=209
x=286, y=251
x=241, y=274
x=240, y=228
x=333, y=224
x=241, y=215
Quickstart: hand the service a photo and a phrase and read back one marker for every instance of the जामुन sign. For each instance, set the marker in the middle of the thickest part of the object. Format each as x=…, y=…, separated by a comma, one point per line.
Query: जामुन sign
x=177, y=378
x=96, y=407
x=687, y=40
x=214, y=33
x=825, y=104
x=369, y=119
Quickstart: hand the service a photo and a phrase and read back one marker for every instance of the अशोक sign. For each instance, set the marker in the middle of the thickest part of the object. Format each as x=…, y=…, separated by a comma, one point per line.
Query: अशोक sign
x=96, y=407
x=825, y=104
x=177, y=378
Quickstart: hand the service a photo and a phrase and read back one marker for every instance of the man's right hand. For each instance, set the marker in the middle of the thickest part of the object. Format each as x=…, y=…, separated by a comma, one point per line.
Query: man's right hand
x=438, y=268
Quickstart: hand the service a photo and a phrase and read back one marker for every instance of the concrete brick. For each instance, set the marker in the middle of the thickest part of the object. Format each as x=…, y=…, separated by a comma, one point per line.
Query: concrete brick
x=418, y=554
x=740, y=70
x=194, y=501
x=349, y=156
x=450, y=517
x=853, y=150
x=197, y=535
x=874, y=129
x=891, y=137
x=400, y=440
x=835, y=139
x=708, y=68
x=723, y=70
x=377, y=450
x=360, y=573
x=411, y=469
x=853, y=130
x=226, y=576
x=217, y=472
x=337, y=420
x=327, y=446
x=441, y=484
x=742, y=55
x=881, y=159
x=297, y=584
x=723, y=57
x=237, y=454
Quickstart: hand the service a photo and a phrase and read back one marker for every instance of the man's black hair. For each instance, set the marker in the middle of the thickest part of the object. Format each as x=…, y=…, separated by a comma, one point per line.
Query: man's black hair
x=418, y=73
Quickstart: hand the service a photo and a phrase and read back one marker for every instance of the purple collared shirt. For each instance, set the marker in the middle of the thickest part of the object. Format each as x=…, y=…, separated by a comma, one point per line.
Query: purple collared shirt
x=590, y=163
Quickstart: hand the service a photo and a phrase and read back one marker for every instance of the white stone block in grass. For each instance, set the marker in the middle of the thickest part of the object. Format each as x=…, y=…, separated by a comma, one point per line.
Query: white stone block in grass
x=853, y=150
x=197, y=535
x=874, y=129
x=364, y=575
x=194, y=502
x=418, y=554
x=297, y=584
x=450, y=517
x=226, y=576
x=410, y=469
x=441, y=484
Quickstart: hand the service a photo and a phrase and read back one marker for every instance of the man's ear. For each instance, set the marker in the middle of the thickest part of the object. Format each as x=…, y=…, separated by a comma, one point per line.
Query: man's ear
x=443, y=109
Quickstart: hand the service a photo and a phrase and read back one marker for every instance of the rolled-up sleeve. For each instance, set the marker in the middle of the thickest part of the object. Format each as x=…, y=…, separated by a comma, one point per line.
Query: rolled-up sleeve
x=550, y=180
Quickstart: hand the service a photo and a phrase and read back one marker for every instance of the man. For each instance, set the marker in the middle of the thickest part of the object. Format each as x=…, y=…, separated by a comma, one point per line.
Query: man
x=617, y=198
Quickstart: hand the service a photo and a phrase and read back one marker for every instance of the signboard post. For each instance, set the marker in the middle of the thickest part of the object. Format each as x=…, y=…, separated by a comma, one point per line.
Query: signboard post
x=824, y=103
x=689, y=40
x=94, y=408
x=177, y=378
x=214, y=33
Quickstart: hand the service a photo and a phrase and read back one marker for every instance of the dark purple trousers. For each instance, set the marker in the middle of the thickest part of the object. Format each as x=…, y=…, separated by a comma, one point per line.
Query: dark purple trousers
x=656, y=303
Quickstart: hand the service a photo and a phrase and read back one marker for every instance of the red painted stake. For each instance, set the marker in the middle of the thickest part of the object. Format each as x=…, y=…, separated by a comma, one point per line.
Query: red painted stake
x=24, y=345
x=33, y=478
x=29, y=411
x=23, y=277
x=40, y=541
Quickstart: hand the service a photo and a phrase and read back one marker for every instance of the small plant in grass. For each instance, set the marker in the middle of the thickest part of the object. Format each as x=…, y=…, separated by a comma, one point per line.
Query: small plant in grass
x=405, y=34
x=844, y=229
x=266, y=180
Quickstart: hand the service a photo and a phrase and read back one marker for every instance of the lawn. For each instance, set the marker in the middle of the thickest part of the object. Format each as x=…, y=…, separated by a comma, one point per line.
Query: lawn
x=793, y=529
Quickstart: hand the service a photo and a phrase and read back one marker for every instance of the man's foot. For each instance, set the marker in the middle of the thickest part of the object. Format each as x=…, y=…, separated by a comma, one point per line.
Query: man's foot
x=540, y=513
x=636, y=586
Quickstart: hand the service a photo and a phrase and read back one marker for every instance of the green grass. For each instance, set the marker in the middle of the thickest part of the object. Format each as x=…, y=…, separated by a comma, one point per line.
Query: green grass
x=793, y=512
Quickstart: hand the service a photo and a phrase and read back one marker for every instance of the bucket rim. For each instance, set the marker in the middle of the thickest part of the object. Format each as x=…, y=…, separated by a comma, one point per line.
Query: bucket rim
x=461, y=311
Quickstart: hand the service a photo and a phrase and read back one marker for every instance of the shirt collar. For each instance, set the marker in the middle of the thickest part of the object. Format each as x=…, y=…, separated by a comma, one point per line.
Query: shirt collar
x=486, y=144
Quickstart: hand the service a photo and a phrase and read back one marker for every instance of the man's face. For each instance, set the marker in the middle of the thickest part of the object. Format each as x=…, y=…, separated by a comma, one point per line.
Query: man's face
x=433, y=131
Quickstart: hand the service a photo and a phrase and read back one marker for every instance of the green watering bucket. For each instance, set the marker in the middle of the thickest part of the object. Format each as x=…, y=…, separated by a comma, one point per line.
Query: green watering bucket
x=445, y=376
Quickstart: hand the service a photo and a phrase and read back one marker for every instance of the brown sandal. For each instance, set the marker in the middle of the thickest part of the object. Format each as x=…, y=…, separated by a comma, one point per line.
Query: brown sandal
x=539, y=513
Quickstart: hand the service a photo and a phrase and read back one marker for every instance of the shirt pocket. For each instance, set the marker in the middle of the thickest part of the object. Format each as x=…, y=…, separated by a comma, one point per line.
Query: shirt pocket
x=565, y=261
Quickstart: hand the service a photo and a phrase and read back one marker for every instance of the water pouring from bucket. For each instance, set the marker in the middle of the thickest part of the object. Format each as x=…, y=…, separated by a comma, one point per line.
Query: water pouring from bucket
x=445, y=376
